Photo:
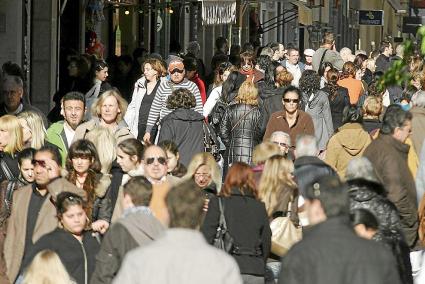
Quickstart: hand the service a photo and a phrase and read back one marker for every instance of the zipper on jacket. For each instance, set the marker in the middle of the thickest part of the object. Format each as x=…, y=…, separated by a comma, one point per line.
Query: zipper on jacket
x=85, y=261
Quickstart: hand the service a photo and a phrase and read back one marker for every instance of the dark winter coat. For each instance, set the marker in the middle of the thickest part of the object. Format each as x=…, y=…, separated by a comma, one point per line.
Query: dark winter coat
x=248, y=224
x=371, y=124
x=337, y=104
x=241, y=130
x=77, y=257
x=331, y=253
x=272, y=103
x=116, y=180
x=134, y=230
x=185, y=128
x=309, y=169
x=12, y=164
x=102, y=206
x=382, y=63
x=389, y=159
x=371, y=196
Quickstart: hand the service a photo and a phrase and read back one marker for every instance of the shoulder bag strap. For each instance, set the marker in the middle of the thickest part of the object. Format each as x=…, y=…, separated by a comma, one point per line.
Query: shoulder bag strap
x=222, y=218
x=323, y=57
x=6, y=170
x=240, y=119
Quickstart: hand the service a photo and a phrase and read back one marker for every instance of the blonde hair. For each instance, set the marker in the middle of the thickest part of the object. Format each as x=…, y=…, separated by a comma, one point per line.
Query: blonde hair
x=372, y=107
x=122, y=104
x=247, y=94
x=276, y=176
x=370, y=64
x=36, y=126
x=206, y=159
x=262, y=152
x=46, y=268
x=10, y=123
x=105, y=144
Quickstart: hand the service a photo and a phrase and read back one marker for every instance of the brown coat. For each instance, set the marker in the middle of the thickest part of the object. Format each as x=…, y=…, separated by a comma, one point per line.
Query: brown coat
x=121, y=133
x=389, y=159
x=277, y=122
x=349, y=142
x=17, y=224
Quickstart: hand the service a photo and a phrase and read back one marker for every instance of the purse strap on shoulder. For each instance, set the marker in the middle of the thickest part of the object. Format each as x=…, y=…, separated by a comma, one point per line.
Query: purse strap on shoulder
x=6, y=170
x=222, y=218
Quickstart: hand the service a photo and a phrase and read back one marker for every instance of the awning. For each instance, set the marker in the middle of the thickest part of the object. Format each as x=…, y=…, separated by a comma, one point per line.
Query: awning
x=305, y=16
x=395, y=4
x=215, y=12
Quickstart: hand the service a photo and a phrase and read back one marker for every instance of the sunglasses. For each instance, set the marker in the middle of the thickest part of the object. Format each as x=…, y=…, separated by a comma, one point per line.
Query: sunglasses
x=295, y=101
x=282, y=144
x=40, y=163
x=161, y=160
x=176, y=70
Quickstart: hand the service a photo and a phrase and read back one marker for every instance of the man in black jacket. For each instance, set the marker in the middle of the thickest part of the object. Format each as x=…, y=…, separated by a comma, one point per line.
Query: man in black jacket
x=138, y=227
x=308, y=167
x=383, y=61
x=330, y=251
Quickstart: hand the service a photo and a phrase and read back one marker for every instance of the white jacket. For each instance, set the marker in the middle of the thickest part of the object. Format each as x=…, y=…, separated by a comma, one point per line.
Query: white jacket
x=131, y=116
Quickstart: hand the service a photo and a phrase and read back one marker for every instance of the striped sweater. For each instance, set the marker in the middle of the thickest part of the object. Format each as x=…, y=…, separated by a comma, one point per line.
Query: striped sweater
x=159, y=105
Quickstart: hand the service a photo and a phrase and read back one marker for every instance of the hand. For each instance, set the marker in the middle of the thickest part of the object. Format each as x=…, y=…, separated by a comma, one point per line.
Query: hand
x=147, y=138
x=52, y=168
x=100, y=226
x=205, y=208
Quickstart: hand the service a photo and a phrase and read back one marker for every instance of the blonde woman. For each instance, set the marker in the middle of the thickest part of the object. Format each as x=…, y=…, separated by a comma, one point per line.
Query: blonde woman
x=107, y=111
x=241, y=127
x=46, y=268
x=105, y=144
x=33, y=130
x=11, y=143
x=204, y=170
x=277, y=187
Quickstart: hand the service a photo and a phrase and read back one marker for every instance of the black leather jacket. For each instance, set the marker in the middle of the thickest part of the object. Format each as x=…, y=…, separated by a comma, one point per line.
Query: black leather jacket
x=241, y=130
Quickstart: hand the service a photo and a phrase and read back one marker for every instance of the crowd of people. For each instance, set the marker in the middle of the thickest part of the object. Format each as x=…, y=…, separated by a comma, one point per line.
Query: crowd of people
x=152, y=171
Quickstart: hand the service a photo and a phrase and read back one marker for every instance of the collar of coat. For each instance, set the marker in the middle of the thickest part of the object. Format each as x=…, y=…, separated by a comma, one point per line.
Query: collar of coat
x=390, y=140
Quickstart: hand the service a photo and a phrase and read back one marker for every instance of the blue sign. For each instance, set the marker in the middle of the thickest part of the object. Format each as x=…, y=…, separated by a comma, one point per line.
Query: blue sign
x=371, y=17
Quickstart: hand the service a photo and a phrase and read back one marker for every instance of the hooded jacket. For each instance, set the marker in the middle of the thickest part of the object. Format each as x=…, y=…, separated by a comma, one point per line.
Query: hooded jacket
x=55, y=135
x=185, y=128
x=349, y=142
x=137, y=228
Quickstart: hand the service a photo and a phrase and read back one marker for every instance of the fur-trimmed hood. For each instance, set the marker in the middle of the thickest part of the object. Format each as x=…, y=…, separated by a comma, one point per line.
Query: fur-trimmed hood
x=104, y=181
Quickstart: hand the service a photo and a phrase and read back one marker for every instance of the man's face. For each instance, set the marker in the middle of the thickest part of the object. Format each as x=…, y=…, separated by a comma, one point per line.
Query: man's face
x=177, y=75
x=293, y=57
x=290, y=102
x=155, y=163
x=73, y=111
x=12, y=95
x=283, y=143
x=389, y=50
x=45, y=168
x=282, y=50
x=401, y=133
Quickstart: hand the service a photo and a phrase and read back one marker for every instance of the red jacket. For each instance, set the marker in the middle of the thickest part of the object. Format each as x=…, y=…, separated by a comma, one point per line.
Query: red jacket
x=201, y=86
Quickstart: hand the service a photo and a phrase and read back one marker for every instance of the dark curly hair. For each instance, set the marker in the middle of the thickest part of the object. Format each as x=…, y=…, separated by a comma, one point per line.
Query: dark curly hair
x=332, y=78
x=309, y=82
x=181, y=98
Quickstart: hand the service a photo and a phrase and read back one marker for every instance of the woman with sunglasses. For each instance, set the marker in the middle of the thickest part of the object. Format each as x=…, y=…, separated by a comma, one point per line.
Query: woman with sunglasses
x=129, y=157
x=76, y=246
x=291, y=119
x=83, y=168
x=145, y=90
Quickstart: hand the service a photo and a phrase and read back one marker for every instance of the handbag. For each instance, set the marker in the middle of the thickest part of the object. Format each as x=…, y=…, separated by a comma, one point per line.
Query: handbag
x=284, y=233
x=223, y=240
x=211, y=144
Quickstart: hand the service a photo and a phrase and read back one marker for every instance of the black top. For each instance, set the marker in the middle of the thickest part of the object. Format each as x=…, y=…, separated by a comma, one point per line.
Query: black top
x=371, y=125
x=337, y=104
x=79, y=258
x=12, y=164
x=144, y=111
x=34, y=207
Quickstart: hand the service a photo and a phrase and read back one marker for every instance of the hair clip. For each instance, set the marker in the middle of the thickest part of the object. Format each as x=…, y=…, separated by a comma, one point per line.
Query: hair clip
x=316, y=189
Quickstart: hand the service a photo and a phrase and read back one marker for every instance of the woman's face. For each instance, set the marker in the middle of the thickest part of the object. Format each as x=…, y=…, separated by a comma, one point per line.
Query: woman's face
x=81, y=164
x=4, y=138
x=225, y=75
x=26, y=131
x=202, y=176
x=109, y=110
x=27, y=170
x=73, y=69
x=247, y=65
x=171, y=161
x=290, y=102
x=150, y=73
x=126, y=162
x=102, y=74
x=74, y=219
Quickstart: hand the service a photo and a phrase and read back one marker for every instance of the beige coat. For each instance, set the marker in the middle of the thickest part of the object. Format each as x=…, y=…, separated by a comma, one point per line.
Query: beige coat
x=121, y=133
x=349, y=142
x=17, y=224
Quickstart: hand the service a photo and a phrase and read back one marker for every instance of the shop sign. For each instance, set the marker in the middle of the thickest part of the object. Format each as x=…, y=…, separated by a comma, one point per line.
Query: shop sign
x=371, y=17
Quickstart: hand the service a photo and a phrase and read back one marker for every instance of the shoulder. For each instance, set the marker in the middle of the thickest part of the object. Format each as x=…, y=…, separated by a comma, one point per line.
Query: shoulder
x=87, y=125
x=56, y=127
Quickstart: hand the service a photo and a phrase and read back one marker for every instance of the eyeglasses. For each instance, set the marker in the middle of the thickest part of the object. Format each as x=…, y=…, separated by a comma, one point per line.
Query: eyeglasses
x=295, y=101
x=281, y=144
x=176, y=70
x=161, y=160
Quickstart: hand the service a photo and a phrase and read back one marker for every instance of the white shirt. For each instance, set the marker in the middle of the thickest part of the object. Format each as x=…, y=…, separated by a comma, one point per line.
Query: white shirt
x=69, y=133
x=212, y=100
x=295, y=71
